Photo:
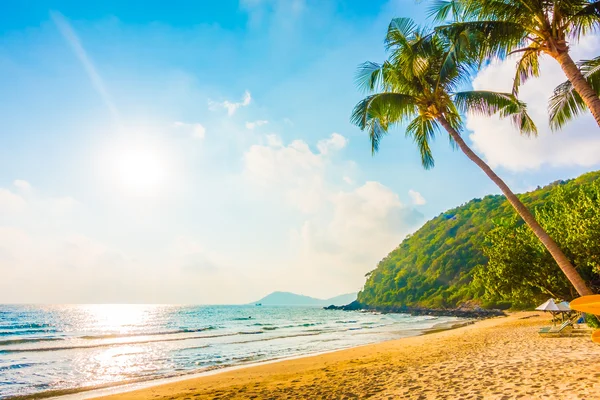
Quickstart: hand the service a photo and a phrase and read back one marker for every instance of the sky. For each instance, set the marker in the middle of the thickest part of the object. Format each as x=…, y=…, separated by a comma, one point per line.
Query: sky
x=201, y=152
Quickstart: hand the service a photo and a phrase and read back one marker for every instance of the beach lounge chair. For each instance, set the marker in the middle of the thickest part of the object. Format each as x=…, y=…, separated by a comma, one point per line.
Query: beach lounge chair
x=556, y=330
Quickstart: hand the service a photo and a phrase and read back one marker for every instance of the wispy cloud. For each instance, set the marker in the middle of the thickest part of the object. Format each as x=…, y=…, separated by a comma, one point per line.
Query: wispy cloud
x=196, y=131
x=22, y=185
x=334, y=142
x=252, y=125
x=73, y=40
x=416, y=197
x=231, y=107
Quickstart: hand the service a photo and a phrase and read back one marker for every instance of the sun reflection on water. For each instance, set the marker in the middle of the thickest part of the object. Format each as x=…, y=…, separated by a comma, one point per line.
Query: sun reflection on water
x=120, y=318
x=118, y=362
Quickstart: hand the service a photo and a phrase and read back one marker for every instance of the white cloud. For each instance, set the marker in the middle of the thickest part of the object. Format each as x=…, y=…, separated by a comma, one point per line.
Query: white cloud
x=361, y=227
x=191, y=256
x=37, y=206
x=274, y=141
x=416, y=197
x=10, y=202
x=231, y=107
x=61, y=204
x=196, y=131
x=578, y=144
x=252, y=125
x=22, y=185
x=293, y=170
x=334, y=142
x=342, y=233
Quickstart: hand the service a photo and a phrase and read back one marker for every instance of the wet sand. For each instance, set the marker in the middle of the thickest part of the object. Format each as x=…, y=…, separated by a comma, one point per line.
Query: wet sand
x=499, y=358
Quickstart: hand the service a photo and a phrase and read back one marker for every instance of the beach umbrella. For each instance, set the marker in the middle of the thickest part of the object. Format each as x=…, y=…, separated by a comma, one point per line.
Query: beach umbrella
x=588, y=304
x=552, y=308
x=564, y=306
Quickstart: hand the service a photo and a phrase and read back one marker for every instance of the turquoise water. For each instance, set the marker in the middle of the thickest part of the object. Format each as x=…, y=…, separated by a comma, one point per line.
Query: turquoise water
x=47, y=348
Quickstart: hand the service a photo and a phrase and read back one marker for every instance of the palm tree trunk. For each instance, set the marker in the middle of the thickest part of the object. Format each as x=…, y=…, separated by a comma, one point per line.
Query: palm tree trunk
x=560, y=258
x=580, y=84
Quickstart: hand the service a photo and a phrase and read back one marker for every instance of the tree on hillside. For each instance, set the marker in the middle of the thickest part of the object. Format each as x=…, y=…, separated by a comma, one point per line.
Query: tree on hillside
x=521, y=272
x=529, y=28
x=418, y=85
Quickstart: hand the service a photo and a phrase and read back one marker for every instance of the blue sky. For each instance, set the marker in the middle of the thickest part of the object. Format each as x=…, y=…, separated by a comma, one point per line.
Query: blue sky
x=202, y=152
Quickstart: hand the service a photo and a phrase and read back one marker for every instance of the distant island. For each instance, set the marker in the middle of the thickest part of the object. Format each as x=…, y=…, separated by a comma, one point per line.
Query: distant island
x=292, y=299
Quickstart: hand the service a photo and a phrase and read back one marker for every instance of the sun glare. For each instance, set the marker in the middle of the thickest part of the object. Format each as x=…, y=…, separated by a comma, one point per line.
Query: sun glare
x=117, y=317
x=140, y=169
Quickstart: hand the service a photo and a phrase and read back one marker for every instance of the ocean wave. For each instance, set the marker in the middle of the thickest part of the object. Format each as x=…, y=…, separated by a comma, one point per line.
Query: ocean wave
x=116, y=344
x=32, y=325
x=134, y=334
x=17, y=366
x=32, y=331
x=281, y=337
x=29, y=340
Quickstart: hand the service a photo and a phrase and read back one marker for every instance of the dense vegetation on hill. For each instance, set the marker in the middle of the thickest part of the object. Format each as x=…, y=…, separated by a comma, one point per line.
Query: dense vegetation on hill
x=434, y=267
x=521, y=272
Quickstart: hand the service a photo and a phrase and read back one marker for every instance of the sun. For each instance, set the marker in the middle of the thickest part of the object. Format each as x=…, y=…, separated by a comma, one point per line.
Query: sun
x=138, y=168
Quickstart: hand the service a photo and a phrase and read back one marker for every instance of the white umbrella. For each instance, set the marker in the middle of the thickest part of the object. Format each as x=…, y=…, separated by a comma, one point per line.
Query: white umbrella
x=549, y=305
x=554, y=308
x=564, y=306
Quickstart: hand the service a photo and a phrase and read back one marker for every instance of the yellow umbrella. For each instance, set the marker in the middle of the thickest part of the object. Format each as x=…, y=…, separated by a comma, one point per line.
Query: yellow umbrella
x=591, y=305
x=596, y=336
x=588, y=304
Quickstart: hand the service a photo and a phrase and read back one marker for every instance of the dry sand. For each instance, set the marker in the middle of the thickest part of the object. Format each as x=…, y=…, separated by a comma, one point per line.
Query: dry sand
x=500, y=358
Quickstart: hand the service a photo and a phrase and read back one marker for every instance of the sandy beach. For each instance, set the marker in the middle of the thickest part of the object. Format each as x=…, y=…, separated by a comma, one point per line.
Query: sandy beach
x=500, y=358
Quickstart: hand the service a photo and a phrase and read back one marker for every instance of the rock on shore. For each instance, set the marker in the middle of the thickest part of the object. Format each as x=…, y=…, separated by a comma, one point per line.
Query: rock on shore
x=474, y=312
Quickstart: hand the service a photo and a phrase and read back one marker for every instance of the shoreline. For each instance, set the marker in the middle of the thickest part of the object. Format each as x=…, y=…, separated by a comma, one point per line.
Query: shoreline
x=493, y=358
x=116, y=388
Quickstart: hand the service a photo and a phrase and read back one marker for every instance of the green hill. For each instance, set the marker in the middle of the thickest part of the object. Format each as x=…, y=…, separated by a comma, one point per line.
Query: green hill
x=434, y=266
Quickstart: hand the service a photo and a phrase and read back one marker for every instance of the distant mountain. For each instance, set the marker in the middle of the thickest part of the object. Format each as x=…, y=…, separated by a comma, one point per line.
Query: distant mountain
x=292, y=299
x=341, y=300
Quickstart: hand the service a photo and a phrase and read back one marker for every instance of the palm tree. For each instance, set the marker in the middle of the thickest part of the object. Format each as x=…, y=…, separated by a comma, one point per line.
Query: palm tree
x=529, y=28
x=418, y=85
x=566, y=104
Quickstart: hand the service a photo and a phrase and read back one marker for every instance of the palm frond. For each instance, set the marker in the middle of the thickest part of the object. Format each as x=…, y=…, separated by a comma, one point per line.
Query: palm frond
x=590, y=68
x=399, y=31
x=376, y=113
x=457, y=56
x=422, y=130
x=487, y=39
x=565, y=103
x=441, y=10
x=369, y=76
x=527, y=66
x=488, y=103
x=584, y=20
x=408, y=45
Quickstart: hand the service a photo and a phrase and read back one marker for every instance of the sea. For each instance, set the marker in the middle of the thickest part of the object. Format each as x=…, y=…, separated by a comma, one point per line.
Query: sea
x=60, y=349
